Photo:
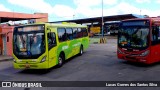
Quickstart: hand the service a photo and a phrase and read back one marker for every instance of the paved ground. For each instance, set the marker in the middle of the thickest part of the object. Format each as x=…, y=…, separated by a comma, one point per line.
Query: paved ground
x=5, y=58
x=98, y=63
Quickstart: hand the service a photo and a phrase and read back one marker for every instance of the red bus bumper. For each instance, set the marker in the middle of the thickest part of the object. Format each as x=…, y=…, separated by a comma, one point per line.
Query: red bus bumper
x=139, y=59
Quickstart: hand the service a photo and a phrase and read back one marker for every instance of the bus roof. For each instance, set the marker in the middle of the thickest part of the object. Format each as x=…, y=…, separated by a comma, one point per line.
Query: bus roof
x=154, y=20
x=56, y=24
x=65, y=25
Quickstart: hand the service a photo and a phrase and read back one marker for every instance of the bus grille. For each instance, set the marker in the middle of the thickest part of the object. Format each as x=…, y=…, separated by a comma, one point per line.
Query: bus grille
x=30, y=66
x=131, y=58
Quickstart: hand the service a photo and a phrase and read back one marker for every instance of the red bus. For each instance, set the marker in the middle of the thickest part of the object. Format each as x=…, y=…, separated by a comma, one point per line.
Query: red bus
x=139, y=40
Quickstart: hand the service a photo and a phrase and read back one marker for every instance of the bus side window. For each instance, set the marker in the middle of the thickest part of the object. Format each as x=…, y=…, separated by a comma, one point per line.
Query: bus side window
x=61, y=34
x=75, y=32
x=79, y=33
x=51, y=40
x=85, y=33
x=69, y=33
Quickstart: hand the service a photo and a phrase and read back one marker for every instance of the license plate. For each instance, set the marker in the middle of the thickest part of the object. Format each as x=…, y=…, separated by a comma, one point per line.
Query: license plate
x=27, y=66
x=132, y=58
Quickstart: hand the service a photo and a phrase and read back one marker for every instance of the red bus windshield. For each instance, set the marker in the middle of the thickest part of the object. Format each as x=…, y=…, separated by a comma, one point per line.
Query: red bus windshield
x=133, y=36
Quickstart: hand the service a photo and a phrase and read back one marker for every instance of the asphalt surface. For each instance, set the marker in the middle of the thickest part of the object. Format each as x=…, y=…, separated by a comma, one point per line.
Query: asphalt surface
x=98, y=63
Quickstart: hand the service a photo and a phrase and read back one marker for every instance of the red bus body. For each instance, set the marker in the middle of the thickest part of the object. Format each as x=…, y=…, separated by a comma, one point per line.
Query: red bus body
x=151, y=52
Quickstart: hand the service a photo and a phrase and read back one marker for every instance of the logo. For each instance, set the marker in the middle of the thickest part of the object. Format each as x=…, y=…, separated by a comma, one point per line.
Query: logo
x=6, y=84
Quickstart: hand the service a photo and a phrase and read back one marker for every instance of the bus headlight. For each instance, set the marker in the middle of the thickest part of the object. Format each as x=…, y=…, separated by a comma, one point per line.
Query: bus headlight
x=145, y=53
x=14, y=60
x=43, y=59
x=119, y=51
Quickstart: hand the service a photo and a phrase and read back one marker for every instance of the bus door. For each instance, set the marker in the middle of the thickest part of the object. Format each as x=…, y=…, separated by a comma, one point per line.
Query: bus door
x=52, y=50
x=155, y=49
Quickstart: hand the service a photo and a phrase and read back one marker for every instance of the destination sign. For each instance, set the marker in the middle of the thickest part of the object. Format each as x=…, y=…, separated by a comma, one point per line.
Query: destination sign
x=135, y=23
x=31, y=28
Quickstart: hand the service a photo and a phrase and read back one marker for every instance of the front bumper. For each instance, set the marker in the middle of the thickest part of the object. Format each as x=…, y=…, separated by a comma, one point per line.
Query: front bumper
x=43, y=65
x=134, y=58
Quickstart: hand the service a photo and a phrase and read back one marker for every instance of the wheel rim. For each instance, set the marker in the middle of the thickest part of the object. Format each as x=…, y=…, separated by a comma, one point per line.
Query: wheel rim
x=81, y=51
x=60, y=60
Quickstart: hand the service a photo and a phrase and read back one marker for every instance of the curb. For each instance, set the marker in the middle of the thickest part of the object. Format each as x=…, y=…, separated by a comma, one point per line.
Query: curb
x=94, y=40
x=9, y=59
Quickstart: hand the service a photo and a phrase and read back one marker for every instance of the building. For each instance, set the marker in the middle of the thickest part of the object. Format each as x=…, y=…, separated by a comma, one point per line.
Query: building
x=1, y=44
x=6, y=39
x=7, y=25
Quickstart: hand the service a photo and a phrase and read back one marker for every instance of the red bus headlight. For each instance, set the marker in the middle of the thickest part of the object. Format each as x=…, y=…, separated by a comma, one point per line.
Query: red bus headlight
x=119, y=51
x=144, y=53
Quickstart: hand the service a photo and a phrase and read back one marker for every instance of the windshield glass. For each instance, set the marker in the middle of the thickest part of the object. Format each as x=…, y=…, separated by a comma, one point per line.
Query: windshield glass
x=28, y=44
x=135, y=37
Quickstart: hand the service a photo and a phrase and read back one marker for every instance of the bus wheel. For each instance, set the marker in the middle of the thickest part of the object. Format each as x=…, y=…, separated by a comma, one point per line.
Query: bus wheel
x=81, y=50
x=60, y=60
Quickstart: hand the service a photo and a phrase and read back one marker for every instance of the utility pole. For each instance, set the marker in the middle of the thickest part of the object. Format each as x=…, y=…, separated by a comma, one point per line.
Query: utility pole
x=102, y=21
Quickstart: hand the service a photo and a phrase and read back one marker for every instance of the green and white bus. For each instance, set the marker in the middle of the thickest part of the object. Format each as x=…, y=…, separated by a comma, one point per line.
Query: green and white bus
x=42, y=46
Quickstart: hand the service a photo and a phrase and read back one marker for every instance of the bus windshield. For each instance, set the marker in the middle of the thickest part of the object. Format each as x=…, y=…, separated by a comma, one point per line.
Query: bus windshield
x=29, y=43
x=134, y=37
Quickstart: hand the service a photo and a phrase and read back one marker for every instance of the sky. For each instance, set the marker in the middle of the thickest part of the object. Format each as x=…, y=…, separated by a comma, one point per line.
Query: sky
x=76, y=9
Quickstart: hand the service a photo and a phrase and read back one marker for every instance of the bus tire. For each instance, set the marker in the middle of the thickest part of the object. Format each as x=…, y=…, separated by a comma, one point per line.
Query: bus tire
x=81, y=50
x=60, y=60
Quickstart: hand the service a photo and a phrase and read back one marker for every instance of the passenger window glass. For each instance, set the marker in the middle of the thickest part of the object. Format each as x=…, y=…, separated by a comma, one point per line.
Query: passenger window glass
x=85, y=33
x=74, y=32
x=61, y=34
x=80, y=33
x=69, y=33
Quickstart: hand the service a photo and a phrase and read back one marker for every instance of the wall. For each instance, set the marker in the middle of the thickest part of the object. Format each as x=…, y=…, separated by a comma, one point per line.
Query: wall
x=7, y=31
x=1, y=45
x=42, y=19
